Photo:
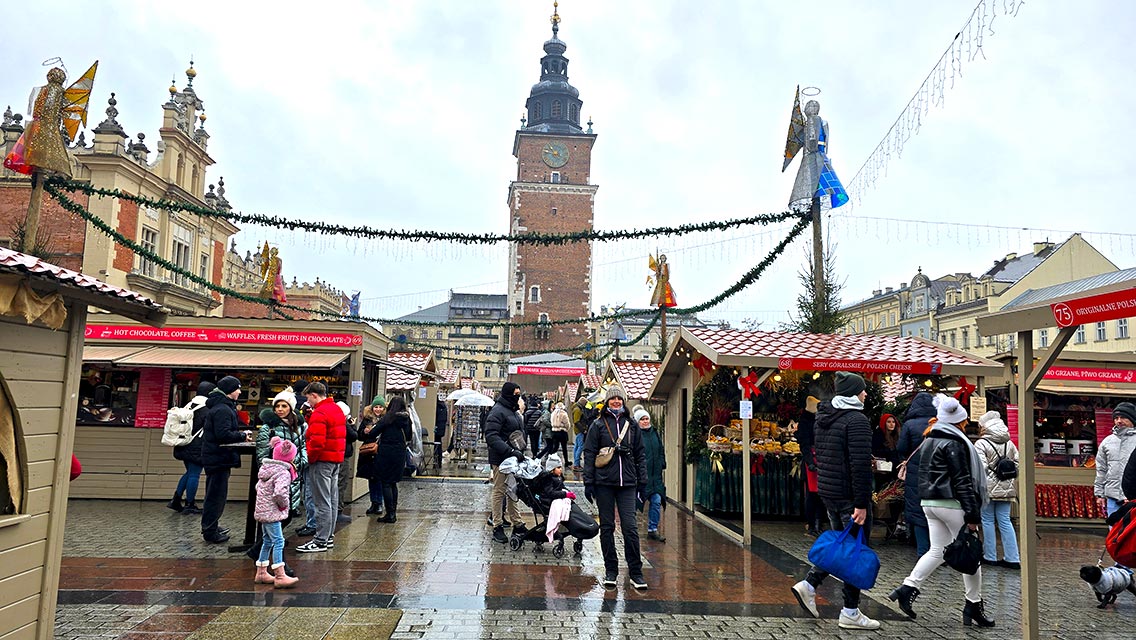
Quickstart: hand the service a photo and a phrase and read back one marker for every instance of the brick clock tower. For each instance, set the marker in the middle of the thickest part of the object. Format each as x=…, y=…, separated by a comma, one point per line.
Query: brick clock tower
x=551, y=194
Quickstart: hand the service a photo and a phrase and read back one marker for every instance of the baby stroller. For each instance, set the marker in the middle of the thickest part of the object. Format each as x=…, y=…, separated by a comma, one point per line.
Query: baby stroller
x=579, y=524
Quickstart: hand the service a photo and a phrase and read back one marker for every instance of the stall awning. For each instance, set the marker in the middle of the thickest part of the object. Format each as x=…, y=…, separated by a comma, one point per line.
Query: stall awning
x=1086, y=390
x=108, y=354
x=222, y=359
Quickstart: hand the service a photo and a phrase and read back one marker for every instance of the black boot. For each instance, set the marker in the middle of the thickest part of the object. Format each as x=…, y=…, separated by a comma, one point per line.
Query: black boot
x=375, y=509
x=499, y=535
x=175, y=504
x=905, y=596
x=191, y=509
x=976, y=613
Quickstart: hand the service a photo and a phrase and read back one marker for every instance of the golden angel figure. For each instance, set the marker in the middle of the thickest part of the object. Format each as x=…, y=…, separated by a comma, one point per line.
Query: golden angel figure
x=45, y=150
x=663, y=296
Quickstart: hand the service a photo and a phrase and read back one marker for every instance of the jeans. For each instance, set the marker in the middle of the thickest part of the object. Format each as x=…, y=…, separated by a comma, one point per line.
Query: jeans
x=608, y=499
x=998, y=512
x=309, y=503
x=578, y=449
x=273, y=546
x=343, y=483
x=654, y=511
x=839, y=515
x=922, y=539
x=324, y=478
x=188, y=482
x=499, y=501
x=216, y=493
x=375, y=488
x=944, y=524
x=1111, y=505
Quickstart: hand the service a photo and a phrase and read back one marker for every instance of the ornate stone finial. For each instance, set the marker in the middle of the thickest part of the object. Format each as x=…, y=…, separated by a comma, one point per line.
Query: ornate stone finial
x=139, y=149
x=555, y=18
x=110, y=125
x=523, y=120
x=211, y=200
x=233, y=246
x=589, y=124
x=8, y=116
x=191, y=73
x=81, y=142
x=173, y=86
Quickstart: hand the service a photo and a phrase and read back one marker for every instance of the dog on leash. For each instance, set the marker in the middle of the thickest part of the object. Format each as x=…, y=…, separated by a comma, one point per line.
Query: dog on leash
x=1108, y=582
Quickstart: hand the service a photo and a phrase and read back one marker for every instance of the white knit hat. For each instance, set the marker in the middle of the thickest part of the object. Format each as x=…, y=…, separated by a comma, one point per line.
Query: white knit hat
x=552, y=462
x=344, y=408
x=285, y=396
x=948, y=409
x=640, y=414
x=988, y=418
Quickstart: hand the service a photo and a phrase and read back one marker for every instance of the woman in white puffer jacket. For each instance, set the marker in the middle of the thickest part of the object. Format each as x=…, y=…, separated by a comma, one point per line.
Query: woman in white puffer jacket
x=994, y=445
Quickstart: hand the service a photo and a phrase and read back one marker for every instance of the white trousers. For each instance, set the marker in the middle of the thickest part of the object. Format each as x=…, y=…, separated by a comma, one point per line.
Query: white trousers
x=944, y=525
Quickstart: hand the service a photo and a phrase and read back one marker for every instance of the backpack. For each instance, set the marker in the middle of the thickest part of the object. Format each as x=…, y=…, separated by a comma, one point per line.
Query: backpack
x=178, y=429
x=1003, y=468
x=1121, y=540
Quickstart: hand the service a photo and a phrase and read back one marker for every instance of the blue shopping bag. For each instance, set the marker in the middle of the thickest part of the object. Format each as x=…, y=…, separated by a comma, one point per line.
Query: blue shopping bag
x=846, y=557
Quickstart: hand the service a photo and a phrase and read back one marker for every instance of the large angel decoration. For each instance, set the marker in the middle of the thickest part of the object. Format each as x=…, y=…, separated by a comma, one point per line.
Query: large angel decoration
x=272, y=285
x=663, y=296
x=40, y=148
x=815, y=177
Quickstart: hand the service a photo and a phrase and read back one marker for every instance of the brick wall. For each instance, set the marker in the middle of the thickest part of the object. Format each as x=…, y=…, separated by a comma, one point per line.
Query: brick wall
x=561, y=272
x=127, y=226
x=67, y=234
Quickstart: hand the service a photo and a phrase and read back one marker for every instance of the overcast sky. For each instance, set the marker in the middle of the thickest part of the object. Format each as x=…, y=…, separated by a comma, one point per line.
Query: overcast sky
x=402, y=114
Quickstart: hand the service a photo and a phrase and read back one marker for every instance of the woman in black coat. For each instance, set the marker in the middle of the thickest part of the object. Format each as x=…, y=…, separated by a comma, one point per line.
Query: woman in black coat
x=919, y=414
x=393, y=435
x=369, y=433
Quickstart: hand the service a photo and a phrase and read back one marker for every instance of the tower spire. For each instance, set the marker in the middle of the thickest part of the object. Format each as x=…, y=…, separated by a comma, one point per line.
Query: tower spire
x=555, y=17
x=554, y=104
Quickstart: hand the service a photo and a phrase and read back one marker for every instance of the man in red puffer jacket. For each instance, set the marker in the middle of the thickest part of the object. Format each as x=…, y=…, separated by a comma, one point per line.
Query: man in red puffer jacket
x=326, y=442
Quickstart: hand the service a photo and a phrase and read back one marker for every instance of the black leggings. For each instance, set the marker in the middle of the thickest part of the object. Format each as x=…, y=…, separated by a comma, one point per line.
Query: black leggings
x=558, y=439
x=390, y=497
x=534, y=442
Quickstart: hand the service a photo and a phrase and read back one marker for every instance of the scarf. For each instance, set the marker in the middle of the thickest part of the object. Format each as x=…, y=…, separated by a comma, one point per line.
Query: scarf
x=977, y=463
x=847, y=402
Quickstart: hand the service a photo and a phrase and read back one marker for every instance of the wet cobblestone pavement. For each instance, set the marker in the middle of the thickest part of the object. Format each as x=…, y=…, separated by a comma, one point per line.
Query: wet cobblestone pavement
x=137, y=570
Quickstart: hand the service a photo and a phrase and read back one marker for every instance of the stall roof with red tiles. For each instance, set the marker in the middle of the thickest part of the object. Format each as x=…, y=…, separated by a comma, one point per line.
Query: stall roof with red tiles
x=449, y=377
x=407, y=369
x=89, y=290
x=572, y=389
x=811, y=351
x=635, y=377
x=591, y=381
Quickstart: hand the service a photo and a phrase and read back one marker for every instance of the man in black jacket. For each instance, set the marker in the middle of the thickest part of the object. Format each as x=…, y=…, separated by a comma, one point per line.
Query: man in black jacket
x=844, y=468
x=221, y=427
x=503, y=420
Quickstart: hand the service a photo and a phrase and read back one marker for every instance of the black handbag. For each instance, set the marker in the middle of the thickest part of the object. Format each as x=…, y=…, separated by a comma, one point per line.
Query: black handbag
x=965, y=553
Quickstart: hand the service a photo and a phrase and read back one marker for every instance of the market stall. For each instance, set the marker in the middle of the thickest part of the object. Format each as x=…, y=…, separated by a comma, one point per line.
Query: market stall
x=1068, y=306
x=132, y=374
x=736, y=395
x=43, y=316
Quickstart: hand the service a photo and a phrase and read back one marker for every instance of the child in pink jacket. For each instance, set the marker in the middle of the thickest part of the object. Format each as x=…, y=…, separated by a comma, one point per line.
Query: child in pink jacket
x=272, y=505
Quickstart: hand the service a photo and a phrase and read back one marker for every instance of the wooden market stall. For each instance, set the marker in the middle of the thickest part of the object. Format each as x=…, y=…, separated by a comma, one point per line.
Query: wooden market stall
x=416, y=379
x=707, y=366
x=43, y=317
x=1068, y=307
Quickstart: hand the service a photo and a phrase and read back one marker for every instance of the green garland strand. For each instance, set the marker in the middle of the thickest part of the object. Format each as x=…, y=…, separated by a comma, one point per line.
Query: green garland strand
x=364, y=231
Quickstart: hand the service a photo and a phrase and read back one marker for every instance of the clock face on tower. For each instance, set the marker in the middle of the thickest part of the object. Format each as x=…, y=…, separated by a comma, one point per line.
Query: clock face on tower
x=554, y=154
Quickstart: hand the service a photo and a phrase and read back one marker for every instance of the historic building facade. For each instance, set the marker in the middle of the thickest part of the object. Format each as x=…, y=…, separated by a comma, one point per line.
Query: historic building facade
x=243, y=275
x=552, y=193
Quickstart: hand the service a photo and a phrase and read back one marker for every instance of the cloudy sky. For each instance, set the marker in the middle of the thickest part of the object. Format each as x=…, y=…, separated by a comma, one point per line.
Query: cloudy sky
x=402, y=114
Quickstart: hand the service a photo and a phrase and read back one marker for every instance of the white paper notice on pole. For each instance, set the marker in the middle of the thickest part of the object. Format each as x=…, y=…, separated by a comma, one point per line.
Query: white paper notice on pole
x=356, y=387
x=421, y=392
x=745, y=410
x=977, y=406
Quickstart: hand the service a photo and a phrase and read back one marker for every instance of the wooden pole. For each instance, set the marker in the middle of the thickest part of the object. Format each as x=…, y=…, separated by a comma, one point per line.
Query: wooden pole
x=1027, y=513
x=31, y=223
x=663, y=329
x=818, y=253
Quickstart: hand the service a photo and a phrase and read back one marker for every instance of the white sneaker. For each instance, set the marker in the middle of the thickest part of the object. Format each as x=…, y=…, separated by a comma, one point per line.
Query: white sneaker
x=806, y=596
x=858, y=621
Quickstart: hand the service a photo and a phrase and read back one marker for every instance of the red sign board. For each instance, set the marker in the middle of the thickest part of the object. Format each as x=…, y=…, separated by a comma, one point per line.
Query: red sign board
x=1012, y=423
x=238, y=336
x=567, y=372
x=1098, y=308
x=153, y=394
x=1103, y=420
x=860, y=366
x=1082, y=374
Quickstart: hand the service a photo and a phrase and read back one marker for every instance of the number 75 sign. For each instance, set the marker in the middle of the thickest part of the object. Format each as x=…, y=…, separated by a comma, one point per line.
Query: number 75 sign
x=1098, y=308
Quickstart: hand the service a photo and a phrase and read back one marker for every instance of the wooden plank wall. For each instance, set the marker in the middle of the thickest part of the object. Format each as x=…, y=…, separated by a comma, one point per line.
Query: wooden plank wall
x=33, y=364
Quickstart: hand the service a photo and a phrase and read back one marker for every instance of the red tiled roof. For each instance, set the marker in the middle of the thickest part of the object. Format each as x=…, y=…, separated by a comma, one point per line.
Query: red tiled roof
x=573, y=388
x=399, y=380
x=449, y=376
x=776, y=344
x=16, y=261
x=636, y=378
x=591, y=381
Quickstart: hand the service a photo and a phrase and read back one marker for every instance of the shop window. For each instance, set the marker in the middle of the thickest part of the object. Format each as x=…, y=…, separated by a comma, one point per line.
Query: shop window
x=107, y=397
x=1122, y=328
x=149, y=241
x=1102, y=333
x=11, y=469
x=1079, y=336
x=1043, y=338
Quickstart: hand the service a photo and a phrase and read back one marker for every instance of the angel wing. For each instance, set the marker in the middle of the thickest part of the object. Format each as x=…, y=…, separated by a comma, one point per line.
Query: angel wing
x=795, y=138
x=75, y=101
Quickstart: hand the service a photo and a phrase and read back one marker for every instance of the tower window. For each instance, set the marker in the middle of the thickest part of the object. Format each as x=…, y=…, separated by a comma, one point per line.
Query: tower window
x=534, y=296
x=574, y=114
x=544, y=331
x=554, y=178
x=556, y=112
x=554, y=211
x=538, y=111
x=518, y=306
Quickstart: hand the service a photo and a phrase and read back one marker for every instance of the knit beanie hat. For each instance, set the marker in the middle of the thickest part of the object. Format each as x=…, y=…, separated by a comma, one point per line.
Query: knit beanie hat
x=552, y=462
x=948, y=410
x=285, y=396
x=989, y=418
x=344, y=408
x=509, y=389
x=1125, y=410
x=284, y=451
x=614, y=391
x=379, y=401
x=205, y=387
x=640, y=414
x=228, y=384
x=849, y=384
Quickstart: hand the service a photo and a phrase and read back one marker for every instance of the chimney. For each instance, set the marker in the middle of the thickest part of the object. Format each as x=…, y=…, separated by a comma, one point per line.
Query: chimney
x=887, y=289
x=1010, y=256
x=876, y=292
x=1038, y=247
